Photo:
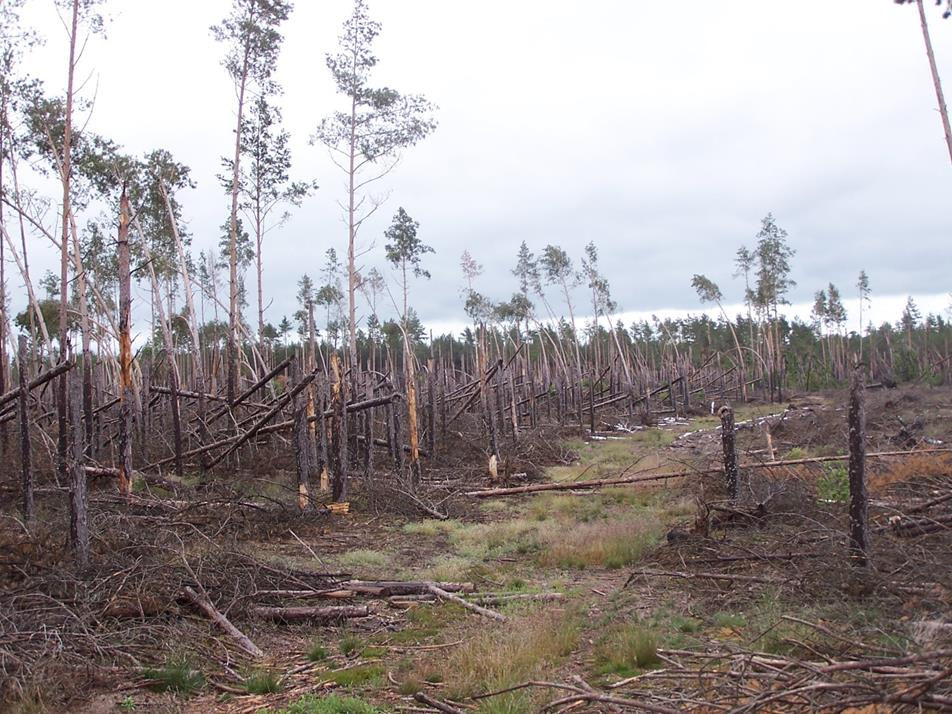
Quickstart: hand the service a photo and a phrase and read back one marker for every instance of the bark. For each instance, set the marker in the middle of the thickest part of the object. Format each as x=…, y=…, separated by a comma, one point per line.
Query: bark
x=330, y=613
x=78, y=525
x=730, y=451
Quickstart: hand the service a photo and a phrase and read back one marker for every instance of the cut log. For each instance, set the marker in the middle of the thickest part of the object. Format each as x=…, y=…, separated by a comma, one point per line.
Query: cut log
x=330, y=613
x=223, y=622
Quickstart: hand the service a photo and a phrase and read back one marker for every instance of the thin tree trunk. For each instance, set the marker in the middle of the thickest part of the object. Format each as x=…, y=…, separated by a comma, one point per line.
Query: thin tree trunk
x=125, y=351
x=25, y=465
x=65, y=171
x=943, y=111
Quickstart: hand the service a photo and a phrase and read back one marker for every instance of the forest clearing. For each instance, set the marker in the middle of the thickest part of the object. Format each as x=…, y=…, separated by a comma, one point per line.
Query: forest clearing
x=241, y=472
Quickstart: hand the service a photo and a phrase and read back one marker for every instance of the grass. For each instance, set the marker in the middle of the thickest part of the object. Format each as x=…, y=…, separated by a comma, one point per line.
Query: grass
x=481, y=541
x=364, y=558
x=331, y=704
x=263, y=681
x=431, y=527
x=449, y=568
x=349, y=644
x=317, y=652
x=610, y=544
x=503, y=655
x=365, y=675
x=177, y=676
x=626, y=650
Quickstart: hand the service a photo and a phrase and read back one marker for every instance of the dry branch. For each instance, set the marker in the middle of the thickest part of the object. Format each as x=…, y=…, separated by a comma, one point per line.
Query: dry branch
x=223, y=622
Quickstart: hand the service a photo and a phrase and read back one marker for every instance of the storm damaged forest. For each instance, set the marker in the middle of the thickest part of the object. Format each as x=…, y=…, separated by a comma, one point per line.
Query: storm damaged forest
x=206, y=505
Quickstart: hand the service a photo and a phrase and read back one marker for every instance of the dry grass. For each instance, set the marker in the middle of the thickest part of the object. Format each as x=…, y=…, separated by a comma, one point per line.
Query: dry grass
x=908, y=468
x=610, y=544
x=503, y=655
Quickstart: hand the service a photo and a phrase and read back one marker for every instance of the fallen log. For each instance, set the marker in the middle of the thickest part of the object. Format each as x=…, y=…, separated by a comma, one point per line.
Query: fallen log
x=223, y=622
x=307, y=594
x=38, y=381
x=387, y=588
x=485, y=612
x=727, y=577
x=330, y=613
x=436, y=704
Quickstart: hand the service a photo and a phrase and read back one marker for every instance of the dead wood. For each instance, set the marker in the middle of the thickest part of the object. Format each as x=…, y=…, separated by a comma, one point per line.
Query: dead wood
x=223, y=622
x=331, y=613
x=436, y=704
x=485, y=612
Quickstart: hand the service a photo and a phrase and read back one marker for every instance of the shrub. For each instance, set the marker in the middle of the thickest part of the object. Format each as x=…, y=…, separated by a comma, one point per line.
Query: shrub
x=834, y=485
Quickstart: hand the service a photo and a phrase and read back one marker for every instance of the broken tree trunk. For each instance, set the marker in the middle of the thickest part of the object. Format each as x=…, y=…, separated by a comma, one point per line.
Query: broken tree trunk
x=859, y=502
x=730, y=451
x=301, y=444
x=126, y=395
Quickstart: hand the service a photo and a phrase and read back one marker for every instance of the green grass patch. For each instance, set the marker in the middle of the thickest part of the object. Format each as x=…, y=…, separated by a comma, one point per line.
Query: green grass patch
x=729, y=619
x=263, y=681
x=350, y=644
x=317, y=652
x=686, y=624
x=364, y=558
x=627, y=650
x=365, y=675
x=177, y=675
x=482, y=541
x=431, y=527
x=449, y=568
x=331, y=704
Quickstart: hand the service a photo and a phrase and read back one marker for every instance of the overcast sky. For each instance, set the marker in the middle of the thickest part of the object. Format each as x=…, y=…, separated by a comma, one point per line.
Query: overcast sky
x=663, y=131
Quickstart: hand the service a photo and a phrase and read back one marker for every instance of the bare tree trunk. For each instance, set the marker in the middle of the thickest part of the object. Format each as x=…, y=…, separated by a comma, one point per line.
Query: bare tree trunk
x=126, y=396
x=301, y=443
x=233, y=317
x=65, y=171
x=23, y=407
x=78, y=525
x=943, y=111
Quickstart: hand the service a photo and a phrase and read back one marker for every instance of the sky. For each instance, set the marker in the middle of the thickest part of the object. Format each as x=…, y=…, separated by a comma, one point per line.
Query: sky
x=662, y=131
